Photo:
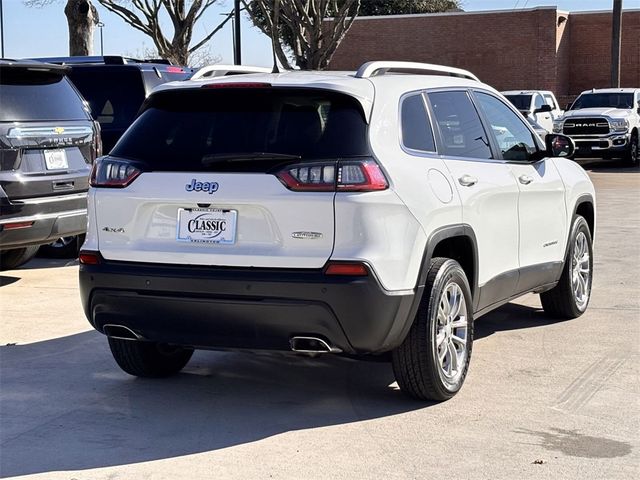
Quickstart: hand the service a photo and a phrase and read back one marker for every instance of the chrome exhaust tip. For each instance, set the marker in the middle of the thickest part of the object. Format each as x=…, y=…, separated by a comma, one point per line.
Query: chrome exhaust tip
x=120, y=332
x=311, y=345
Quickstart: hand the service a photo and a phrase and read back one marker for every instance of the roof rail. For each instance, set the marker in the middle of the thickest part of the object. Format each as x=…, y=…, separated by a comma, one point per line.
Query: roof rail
x=372, y=69
x=100, y=60
x=224, y=70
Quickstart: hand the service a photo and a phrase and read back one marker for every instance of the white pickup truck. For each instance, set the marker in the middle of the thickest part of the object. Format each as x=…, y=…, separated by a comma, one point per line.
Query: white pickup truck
x=537, y=106
x=604, y=123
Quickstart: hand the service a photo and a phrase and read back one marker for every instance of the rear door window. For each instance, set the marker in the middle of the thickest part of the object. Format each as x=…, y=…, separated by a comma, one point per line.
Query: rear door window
x=187, y=130
x=460, y=127
x=114, y=94
x=416, y=127
x=27, y=95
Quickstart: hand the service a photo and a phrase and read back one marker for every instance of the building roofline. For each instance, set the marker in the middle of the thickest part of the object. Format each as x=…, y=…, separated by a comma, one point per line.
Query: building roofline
x=484, y=12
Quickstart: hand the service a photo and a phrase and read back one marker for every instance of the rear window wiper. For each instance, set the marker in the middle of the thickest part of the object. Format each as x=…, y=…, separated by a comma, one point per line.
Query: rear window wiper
x=246, y=157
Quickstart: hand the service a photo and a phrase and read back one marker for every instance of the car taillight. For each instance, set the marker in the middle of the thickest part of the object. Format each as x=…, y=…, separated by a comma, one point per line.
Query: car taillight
x=111, y=173
x=340, y=176
x=238, y=85
x=97, y=141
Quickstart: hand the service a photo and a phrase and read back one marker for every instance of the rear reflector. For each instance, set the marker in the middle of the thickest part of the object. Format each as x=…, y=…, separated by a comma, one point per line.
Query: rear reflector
x=16, y=225
x=238, y=85
x=89, y=258
x=341, y=176
x=348, y=269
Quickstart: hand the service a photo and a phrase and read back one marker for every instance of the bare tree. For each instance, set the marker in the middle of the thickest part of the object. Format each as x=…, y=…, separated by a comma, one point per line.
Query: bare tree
x=300, y=26
x=82, y=18
x=144, y=15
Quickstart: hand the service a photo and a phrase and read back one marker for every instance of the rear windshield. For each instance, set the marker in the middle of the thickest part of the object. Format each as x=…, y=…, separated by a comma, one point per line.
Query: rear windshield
x=114, y=94
x=187, y=130
x=600, y=100
x=27, y=95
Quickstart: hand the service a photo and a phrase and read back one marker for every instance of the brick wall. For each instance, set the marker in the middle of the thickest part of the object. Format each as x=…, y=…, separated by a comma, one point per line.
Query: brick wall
x=523, y=49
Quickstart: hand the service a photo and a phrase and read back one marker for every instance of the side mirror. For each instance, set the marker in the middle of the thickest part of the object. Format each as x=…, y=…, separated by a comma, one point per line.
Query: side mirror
x=543, y=109
x=559, y=146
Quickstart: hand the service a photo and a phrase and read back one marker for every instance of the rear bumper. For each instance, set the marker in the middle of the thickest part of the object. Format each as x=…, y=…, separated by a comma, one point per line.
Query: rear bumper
x=52, y=217
x=213, y=307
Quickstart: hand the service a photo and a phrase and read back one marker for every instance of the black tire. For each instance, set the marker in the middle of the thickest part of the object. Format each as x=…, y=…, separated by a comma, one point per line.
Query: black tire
x=415, y=362
x=633, y=153
x=10, y=259
x=561, y=301
x=65, y=247
x=148, y=359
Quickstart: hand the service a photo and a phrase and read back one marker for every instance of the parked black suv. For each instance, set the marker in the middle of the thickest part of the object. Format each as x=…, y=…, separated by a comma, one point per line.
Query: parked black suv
x=115, y=87
x=48, y=142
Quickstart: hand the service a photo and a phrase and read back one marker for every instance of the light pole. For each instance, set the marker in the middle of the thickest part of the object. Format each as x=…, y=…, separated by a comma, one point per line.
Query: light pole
x=1, y=31
x=616, y=43
x=237, y=50
x=100, y=25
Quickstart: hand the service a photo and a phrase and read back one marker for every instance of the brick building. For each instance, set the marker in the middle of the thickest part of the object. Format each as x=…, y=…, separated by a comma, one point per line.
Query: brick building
x=537, y=48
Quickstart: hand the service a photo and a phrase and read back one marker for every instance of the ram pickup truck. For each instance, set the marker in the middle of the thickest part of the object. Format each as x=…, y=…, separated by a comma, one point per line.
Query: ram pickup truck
x=604, y=123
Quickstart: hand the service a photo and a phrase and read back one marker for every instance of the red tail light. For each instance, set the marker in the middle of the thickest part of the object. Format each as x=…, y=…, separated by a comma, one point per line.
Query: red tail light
x=111, y=173
x=89, y=258
x=343, y=176
x=174, y=70
x=237, y=85
x=16, y=225
x=347, y=269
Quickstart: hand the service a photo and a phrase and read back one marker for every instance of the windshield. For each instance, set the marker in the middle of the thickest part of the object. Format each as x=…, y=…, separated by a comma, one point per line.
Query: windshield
x=27, y=95
x=601, y=100
x=521, y=102
x=186, y=130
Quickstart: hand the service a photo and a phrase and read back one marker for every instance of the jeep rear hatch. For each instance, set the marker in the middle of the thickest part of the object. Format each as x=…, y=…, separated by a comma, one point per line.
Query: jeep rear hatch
x=239, y=176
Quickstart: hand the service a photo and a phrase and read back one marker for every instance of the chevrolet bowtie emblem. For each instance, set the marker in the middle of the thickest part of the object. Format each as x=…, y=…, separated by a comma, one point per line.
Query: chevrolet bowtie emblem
x=58, y=130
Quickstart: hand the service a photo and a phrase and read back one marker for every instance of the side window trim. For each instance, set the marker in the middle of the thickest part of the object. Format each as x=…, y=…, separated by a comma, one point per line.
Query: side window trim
x=493, y=140
x=428, y=118
x=438, y=133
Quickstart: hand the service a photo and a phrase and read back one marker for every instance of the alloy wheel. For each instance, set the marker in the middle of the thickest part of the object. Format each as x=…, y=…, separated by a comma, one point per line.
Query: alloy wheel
x=451, y=334
x=581, y=271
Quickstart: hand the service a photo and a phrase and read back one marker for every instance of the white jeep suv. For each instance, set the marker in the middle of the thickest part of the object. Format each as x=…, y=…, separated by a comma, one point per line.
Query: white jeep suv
x=359, y=214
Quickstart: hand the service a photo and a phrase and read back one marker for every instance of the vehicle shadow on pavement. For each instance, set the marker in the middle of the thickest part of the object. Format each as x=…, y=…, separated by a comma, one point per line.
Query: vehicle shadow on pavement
x=66, y=406
x=512, y=316
x=38, y=262
x=8, y=280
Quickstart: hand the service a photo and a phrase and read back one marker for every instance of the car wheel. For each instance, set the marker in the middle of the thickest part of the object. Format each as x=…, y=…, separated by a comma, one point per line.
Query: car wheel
x=632, y=153
x=570, y=298
x=64, y=247
x=432, y=362
x=10, y=259
x=148, y=359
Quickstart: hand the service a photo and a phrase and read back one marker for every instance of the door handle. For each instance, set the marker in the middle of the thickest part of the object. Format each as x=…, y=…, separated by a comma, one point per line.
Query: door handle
x=467, y=180
x=525, y=179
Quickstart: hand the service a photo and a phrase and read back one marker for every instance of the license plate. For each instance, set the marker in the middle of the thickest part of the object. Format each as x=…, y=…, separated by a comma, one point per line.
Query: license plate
x=207, y=225
x=56, y=159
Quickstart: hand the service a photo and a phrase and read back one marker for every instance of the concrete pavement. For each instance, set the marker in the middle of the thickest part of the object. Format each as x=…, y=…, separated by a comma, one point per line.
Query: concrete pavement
x=543, y=399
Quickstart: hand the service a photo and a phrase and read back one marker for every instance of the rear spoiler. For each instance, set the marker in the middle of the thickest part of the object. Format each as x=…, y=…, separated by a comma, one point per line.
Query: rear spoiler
x=34, y=66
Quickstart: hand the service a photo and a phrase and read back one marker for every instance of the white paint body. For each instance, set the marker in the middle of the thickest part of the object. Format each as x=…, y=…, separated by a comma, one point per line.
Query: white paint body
x=387, y=229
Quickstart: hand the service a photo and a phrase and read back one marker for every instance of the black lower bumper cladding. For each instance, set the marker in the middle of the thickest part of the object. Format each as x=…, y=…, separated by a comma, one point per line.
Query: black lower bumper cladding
x=218, y=307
